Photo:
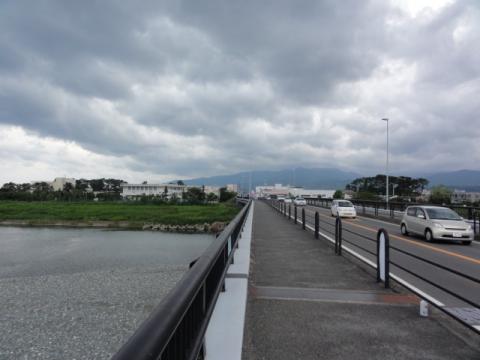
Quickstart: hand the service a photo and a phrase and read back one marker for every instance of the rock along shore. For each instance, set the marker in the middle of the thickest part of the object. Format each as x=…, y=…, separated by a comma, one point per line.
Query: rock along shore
x=214, y=228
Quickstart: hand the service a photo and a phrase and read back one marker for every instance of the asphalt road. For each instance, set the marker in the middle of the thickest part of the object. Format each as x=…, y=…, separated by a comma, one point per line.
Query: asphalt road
x=464, y=259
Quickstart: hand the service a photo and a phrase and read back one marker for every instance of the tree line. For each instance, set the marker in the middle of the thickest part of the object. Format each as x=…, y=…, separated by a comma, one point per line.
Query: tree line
x=404, y=188
x=104, y=190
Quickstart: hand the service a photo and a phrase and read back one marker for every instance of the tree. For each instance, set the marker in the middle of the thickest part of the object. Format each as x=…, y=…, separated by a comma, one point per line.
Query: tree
x=365, y=195
x=97, y=184
x=211, y=197
x=180, y=182
x=440, y=195
x=194, y=195
x=338, y=194
x=68, y=187
x=404, y=186
x=226, y=195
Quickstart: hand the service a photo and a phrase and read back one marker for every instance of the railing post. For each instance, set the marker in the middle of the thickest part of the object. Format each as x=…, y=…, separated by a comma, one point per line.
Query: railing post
x=295, y=211
x=383, y=257
x=317, y=224
x=338, y=236
x=289, y=211
x=303, y=219
x=475, y=215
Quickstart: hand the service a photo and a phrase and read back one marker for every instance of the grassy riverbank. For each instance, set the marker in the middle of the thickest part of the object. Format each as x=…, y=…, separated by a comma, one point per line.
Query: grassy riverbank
x=135, y=214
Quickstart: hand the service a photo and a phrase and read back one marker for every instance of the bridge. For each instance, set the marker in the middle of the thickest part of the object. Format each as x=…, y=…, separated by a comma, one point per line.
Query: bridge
x=285, y=282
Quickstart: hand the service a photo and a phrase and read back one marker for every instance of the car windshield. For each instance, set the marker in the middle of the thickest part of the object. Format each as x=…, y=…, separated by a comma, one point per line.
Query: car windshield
x=442, y=214
x=345, y=204
x=300, y=199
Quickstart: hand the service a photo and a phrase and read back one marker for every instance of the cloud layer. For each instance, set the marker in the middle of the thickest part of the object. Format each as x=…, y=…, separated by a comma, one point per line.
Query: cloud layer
x=160, y=90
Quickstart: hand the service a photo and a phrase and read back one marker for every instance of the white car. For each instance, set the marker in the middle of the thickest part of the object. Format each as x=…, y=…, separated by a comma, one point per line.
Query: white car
x=287, y=200
x=299, y=201
x=343, y=208
x=436, y=223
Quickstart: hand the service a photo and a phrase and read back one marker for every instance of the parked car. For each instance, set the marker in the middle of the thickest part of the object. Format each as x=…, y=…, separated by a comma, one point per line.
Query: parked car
x=343, y=208
x=436, y=223
x=299, y=201
x=288, y=200
x=281, y=198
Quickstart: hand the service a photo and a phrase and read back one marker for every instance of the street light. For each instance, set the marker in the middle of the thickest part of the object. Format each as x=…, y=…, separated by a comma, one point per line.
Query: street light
x=385, y=119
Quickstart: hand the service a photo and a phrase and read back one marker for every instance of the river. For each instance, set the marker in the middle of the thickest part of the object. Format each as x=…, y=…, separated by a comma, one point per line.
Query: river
x=80, y=293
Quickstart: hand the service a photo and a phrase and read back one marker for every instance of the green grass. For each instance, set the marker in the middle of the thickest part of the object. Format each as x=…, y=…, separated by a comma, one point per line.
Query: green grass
x=51, y=211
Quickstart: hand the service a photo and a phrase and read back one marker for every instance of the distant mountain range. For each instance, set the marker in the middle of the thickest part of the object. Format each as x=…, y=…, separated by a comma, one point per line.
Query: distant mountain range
x=329, y=178
x=462, y=179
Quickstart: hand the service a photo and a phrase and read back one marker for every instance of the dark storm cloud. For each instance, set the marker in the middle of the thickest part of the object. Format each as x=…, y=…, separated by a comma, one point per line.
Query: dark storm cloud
x=196, y=88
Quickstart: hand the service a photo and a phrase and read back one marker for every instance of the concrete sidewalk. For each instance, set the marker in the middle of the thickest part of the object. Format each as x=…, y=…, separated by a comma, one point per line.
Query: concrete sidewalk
x=305, y=302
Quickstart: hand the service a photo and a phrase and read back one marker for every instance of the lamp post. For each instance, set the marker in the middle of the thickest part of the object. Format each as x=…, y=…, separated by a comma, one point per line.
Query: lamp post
x=385, y=119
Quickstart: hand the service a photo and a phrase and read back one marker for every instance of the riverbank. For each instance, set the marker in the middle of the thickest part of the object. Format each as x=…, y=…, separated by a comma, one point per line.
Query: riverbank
x=113, y=214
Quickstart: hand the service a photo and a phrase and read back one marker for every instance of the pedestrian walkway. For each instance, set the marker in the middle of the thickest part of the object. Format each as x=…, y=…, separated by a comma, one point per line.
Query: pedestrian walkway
x=305, y=302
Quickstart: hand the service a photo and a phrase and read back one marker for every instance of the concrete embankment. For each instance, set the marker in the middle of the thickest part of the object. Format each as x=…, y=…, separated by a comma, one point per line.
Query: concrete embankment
x=214, y=228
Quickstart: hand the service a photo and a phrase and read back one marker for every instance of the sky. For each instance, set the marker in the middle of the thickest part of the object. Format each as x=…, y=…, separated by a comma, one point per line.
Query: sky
x=160, y=90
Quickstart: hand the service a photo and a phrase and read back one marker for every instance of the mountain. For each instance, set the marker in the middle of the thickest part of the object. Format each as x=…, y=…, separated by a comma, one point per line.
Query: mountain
x=462, y=179
x=314, y=178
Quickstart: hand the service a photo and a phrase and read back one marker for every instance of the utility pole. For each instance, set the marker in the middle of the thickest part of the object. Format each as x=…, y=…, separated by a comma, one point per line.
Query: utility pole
x=385, y=119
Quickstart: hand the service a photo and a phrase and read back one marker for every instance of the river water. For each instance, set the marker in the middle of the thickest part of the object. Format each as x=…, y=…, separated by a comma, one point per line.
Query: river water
x=80, y=293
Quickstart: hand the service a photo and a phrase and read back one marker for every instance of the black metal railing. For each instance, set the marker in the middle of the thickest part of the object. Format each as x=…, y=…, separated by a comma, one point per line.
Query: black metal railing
x=395, y=210
x=377, y=252
x=176, y=328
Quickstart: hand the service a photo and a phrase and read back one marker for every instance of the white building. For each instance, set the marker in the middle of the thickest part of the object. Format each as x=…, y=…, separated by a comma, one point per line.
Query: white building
x=212, y=189
x=167, y=190
x=59, y=183
x=276, y=190
x=462, y=196
x=232, y=187
x=311, y=194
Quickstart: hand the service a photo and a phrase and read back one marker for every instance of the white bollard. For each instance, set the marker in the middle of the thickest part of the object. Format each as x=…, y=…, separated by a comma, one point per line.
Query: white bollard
x=423, y=308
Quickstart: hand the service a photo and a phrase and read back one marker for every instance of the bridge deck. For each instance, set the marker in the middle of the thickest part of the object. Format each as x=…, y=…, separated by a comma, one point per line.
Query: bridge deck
x=306, y=303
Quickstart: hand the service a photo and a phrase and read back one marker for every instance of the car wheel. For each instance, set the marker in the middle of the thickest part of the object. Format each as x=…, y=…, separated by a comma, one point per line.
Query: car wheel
x=466, y=242
x=404, y=230
x=428, y=235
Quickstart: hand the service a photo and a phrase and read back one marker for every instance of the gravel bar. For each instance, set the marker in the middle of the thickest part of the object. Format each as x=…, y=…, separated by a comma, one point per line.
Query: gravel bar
x=85, y=315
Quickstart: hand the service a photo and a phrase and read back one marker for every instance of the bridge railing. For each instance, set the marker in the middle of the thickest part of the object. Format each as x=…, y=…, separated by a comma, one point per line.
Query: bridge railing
x=377, y=252
x=395, y=210
x=176, y=328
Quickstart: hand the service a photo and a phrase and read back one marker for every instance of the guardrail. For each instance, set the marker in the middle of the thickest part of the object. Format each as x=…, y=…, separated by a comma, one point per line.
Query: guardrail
x=396, y=210
x=176, y=328
x=376, y=252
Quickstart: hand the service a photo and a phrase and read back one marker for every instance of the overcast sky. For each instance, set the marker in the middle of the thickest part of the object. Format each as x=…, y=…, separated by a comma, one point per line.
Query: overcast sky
x=157, y=90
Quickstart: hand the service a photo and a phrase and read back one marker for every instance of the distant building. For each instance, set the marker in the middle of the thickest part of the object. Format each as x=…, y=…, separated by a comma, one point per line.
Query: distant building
x=212, y=189
x=59, y=183
x=232, y=187
x=280, y=190
x=167, y=190
x=276, y=190
x=311, y=194
x=462, y=196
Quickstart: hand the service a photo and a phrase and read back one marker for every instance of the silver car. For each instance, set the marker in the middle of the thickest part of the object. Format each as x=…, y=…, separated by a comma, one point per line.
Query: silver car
x=436, y=223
